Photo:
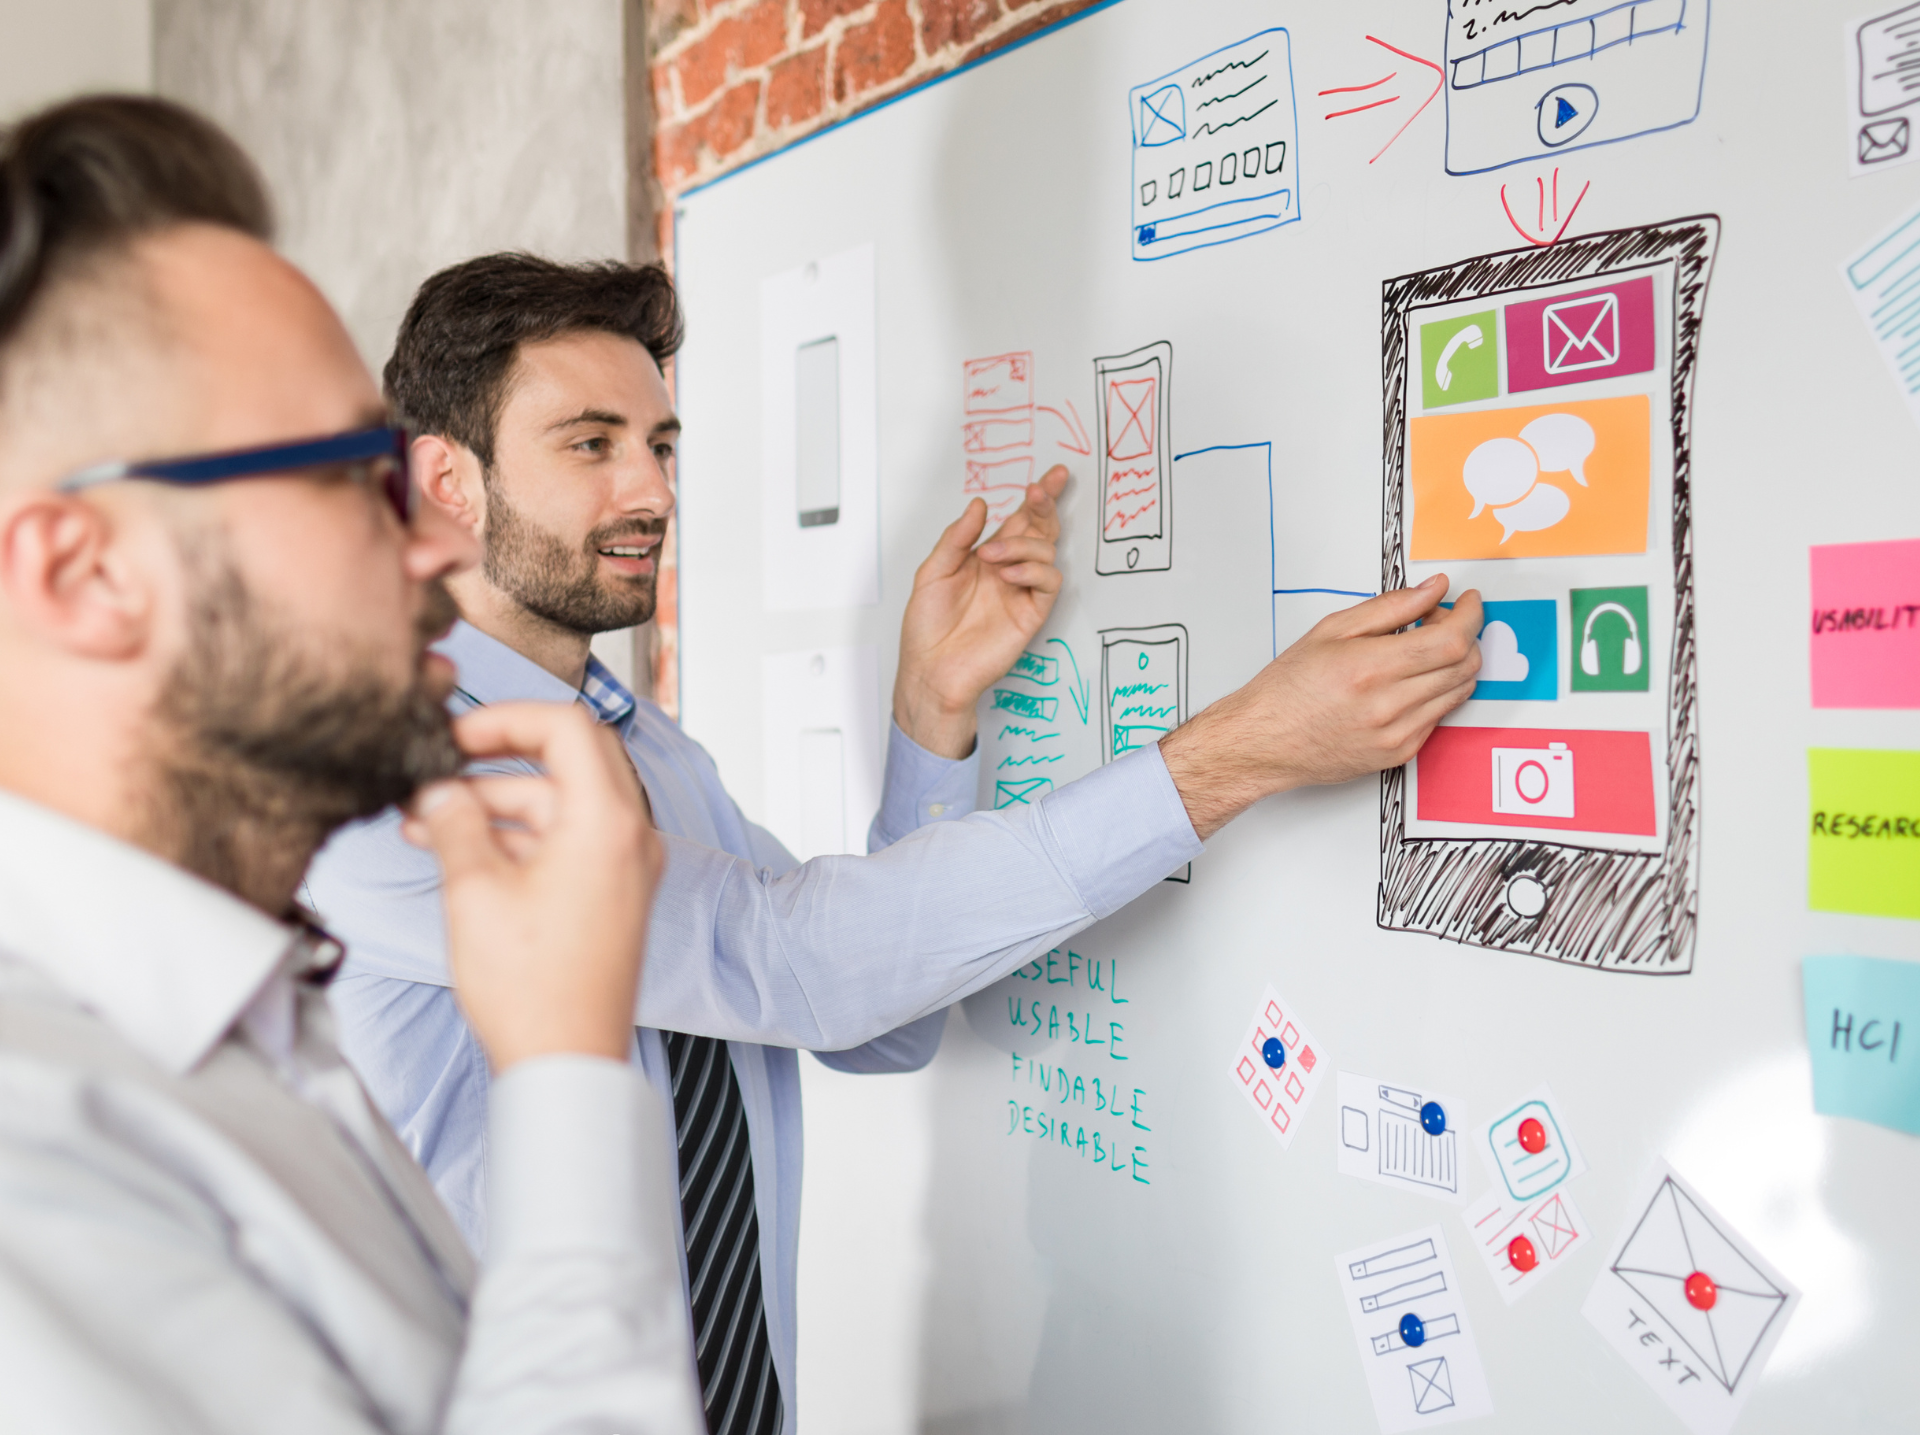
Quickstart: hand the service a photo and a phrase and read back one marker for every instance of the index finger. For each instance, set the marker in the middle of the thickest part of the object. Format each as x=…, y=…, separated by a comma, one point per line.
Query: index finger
x=1389, y=612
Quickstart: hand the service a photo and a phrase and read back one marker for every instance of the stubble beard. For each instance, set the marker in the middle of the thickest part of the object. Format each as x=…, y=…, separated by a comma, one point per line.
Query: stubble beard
x=264, y=744
x=563, y=585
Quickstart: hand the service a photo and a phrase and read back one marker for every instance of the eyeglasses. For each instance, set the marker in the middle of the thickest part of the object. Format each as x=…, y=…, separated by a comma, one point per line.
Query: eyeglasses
x=375, y=457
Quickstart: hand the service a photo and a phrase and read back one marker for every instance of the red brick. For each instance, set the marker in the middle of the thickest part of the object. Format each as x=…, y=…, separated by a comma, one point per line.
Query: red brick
x=663, y=101
x=954, y=22
x=741, y=42
x=871, y=54
x=730, y=122
x=681, y=151
x=1049, y=15
x=815, y=15
x=797, y=88
x=667, y=20
x=676, y=152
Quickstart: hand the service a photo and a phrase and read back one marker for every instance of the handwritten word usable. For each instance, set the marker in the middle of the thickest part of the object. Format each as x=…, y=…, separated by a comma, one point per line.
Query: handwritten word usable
x=1854, y=620
x=1853, y=824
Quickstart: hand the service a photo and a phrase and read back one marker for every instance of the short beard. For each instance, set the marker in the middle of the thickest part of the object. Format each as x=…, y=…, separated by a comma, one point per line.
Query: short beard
x=264, y=747
x=560, y=584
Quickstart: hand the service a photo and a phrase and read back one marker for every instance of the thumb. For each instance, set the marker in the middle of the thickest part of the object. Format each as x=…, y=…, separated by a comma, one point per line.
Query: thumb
x=956, y=542
x=457, y=828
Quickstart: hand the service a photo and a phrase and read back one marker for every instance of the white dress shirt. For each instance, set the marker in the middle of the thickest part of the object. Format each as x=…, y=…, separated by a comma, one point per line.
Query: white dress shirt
x=853, y=958
x=205, y=1227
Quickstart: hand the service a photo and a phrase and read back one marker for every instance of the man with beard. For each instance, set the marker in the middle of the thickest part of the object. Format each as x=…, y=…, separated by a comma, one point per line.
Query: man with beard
x=545, y=428
x=216, y=605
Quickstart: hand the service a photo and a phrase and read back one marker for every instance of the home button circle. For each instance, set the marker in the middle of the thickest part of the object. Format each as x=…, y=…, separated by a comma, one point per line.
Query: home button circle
x=1133, y=557
x=1526, y=896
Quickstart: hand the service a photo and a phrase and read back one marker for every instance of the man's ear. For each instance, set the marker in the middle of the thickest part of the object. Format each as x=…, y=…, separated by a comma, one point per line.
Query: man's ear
x=448, y=476
x=67, y=581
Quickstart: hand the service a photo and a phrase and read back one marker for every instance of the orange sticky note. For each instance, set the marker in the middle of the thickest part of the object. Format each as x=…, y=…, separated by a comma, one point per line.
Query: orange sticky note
x=1541, y=481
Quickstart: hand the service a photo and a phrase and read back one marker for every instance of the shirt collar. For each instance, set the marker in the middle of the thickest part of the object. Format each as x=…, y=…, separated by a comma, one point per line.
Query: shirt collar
x=167, y=959
x=492, y=672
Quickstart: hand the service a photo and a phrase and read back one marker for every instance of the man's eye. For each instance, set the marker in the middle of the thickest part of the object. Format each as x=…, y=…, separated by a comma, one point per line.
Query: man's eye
x=663, y=452
x=592, y=445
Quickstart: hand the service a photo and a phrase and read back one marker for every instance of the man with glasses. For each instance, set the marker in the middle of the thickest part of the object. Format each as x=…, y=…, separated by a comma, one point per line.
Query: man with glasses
x=544, y=427
x=216, y=609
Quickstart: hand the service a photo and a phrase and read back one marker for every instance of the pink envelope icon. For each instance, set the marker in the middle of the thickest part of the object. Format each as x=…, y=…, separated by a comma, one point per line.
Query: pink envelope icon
x=1597, y=333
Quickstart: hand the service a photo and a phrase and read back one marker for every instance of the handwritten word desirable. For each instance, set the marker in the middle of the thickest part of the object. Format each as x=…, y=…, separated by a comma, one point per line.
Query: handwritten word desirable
x=1857, y=620
x=1871, y=824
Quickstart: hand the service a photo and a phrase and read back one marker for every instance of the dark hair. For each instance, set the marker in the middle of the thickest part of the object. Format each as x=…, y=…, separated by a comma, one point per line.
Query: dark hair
x=457, y=345
x=95, y=173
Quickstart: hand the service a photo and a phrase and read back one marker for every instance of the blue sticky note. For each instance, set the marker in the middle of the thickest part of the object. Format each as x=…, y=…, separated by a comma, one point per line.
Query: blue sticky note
x=1863, y=1028
x=1520, y=651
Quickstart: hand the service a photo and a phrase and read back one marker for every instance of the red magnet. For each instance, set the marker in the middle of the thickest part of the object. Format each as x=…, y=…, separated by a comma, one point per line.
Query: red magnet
x=1701, y=1291
x=1533, y=1136
x=1520, y=1254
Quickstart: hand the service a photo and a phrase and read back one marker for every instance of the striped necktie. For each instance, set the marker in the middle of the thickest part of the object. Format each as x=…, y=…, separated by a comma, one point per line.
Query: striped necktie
x=737, y=1378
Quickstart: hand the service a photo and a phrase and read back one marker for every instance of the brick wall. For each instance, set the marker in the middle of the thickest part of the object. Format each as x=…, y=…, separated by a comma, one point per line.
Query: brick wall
x=733, y=79
x=736, y=79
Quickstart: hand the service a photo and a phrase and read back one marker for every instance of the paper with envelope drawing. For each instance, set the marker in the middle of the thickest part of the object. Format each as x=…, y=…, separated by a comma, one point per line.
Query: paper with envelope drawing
x=1883, y=88
x=1420, y=1372
x=1689, y=1304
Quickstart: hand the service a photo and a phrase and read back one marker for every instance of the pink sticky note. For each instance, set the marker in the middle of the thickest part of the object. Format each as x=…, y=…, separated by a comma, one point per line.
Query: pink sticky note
x=1866, y=625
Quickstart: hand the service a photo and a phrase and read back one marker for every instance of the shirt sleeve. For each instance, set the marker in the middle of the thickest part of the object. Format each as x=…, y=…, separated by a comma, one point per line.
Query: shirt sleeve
x=920, y=788
x=578, y=1323
x=844, y=949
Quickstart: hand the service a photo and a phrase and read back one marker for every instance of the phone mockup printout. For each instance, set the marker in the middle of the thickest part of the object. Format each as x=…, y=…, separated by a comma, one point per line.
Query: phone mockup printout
x=1538, y=449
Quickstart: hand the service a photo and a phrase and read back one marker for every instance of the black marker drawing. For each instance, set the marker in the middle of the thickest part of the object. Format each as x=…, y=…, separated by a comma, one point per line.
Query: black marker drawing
x=1134, y=407
x=1615, y=910
x=1143, y=692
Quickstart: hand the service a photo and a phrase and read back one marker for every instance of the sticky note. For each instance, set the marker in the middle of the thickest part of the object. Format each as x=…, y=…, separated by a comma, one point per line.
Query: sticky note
x=1863, y=841
x=1865, y=644
x=1863, y=1032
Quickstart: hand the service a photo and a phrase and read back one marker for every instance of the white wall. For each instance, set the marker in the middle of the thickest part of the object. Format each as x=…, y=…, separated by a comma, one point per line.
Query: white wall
x=53, y=48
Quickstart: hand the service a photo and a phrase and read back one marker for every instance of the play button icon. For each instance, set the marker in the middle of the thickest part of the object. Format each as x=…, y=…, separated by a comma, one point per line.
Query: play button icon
x=1565, y=112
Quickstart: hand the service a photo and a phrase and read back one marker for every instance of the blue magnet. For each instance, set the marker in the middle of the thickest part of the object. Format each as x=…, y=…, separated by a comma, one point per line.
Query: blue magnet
x=1413, y=1330
x=1433, y=1118
x=1273, y=1053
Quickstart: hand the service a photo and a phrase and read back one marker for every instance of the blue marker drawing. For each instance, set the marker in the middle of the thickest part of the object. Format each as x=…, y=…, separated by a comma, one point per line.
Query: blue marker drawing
x=1020, y=794
x=1529, y=82
x=1216, y=149
x=1082, y=691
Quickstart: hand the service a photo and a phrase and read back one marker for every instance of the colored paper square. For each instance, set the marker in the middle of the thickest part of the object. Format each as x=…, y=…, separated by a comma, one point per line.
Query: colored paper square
x=1520, y=651
x=1607, y=634
x=1865, y=646
x=1533, y=482
x=1577, y=338
x=1863, y=842
x=1611, y=788
x=1459, y=360
x=1863, y=1032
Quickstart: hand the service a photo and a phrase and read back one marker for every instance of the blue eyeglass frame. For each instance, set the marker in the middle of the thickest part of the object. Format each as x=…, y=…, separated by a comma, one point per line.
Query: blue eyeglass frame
x=360, y=446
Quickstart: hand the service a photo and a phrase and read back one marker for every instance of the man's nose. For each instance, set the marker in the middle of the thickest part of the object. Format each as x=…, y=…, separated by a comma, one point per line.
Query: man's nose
x=644, y=488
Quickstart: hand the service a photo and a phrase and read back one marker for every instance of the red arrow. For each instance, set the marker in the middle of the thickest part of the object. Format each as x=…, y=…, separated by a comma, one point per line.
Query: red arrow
x=1076, y=440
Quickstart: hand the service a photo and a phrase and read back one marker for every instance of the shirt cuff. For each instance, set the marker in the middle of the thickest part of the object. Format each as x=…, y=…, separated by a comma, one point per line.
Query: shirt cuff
x=921, y=788
x=1120, y=829
x=571, y=1160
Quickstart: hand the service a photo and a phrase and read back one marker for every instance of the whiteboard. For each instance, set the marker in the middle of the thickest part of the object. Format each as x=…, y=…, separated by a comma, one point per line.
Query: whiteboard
x=1238, y=384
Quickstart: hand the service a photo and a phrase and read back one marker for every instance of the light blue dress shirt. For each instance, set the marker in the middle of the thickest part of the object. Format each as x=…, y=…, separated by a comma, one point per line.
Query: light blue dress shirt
x=853, y=958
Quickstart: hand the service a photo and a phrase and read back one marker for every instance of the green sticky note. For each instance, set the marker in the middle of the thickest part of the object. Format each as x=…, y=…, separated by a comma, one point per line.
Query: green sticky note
x=1863, y=1031
x=1863, y=842
x=1460, y=360
x=1609, y=637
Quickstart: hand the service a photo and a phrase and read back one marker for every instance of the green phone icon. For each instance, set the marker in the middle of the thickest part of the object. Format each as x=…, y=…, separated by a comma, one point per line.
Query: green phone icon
x=1460, y=360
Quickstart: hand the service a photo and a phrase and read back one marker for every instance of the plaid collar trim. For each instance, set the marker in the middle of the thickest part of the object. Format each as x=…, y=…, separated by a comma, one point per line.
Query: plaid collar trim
x=605, y=694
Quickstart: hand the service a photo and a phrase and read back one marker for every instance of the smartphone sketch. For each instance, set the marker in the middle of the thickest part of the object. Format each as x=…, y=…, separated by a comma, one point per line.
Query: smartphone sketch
x=1549, y=466
x=1143, y=692
x=817, y=432
x=1133, y=405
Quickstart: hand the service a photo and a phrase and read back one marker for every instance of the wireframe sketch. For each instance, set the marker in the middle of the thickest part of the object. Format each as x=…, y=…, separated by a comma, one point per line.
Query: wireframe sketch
x=1883, y=64
x=1691, y=1306
x=1523, y=1242
x=1133, y=408
x=1216, y=149
x=1528, y=82
x=1277, y=1067
x=1555, y=474
x=1007, y=436
x=1399, y=1135
x=1417, y=1349
x=1143, y=691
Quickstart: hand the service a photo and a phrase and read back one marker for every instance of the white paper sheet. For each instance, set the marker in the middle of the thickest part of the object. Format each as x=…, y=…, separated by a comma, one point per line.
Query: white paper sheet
x=1439, y=1379
x=1380, y=1137
x=824, y=759
x=1278, y=1091
x=1522, y=1169
x=822, y=546
x=1884, y=279
x=1701, y=1356
x=1883, y=89
x=1521, y=1243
